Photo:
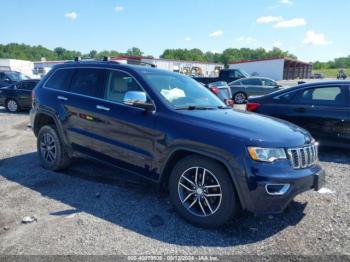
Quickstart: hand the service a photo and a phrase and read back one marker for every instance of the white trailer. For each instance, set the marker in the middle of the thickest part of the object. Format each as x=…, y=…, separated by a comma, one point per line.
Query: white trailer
x=22, y=66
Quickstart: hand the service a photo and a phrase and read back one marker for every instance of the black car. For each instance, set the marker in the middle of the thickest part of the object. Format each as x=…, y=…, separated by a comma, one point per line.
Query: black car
x=322, y=108
x=8, y=78
x=18, y=96
x=172, y=130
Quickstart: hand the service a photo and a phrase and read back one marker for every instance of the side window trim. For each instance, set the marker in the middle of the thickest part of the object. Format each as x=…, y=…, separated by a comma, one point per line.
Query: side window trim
x=99, y=99
x=297, y=96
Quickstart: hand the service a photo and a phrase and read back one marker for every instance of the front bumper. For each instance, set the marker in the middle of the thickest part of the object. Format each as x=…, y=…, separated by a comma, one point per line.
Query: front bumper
x=272, y=194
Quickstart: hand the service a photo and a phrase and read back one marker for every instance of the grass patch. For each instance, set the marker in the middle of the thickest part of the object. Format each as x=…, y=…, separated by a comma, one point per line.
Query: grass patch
x=331, y=73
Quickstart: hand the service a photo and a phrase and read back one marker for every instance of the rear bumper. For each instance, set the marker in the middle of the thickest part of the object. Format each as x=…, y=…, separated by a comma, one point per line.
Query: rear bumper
x=271, y=195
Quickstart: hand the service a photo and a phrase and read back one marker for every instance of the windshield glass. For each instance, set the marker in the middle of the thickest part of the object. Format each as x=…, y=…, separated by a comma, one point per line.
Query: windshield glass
x=244, y=73
x=16, y=76
x=181, y=91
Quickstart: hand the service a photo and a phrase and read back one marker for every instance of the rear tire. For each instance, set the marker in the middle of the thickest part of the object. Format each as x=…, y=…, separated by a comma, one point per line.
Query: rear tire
x=240, y=98
x=12, y=106
x=200, y=202
x=52, y=153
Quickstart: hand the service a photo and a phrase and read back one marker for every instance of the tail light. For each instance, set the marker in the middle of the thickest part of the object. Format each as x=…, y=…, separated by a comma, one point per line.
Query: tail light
x=215, y=90
x=251, y=106
x=229, y=102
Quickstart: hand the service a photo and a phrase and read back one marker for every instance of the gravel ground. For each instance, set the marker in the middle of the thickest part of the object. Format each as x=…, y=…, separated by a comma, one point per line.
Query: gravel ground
x=93, y=209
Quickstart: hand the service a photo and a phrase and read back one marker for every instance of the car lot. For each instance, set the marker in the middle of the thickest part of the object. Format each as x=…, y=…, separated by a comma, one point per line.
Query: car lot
x=92, y=209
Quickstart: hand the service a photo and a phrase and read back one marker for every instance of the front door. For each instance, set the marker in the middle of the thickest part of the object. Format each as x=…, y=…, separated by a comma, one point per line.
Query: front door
x=322, y=111
x=124, y=135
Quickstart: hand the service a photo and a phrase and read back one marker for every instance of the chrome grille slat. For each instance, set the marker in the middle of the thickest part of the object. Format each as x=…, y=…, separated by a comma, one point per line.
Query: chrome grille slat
x=303, y=157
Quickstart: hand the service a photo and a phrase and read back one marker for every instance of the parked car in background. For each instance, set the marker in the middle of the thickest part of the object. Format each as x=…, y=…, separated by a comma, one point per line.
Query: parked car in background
x=17, y=96
x=227, y=75
x=170, y=129
x=8, y=78
x=322, y=108
x=253, y=86
x=317, y=76
x=223, y=91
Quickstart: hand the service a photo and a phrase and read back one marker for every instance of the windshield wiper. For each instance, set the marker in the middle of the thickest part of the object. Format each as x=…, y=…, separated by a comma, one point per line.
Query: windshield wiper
x=196, y=108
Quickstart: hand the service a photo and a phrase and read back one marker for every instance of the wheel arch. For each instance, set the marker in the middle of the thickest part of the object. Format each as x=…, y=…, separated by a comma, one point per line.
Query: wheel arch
x=182, y=152
x=44, y=117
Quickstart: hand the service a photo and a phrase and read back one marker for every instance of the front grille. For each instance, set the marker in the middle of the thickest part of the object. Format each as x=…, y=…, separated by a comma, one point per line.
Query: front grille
x=303, y=157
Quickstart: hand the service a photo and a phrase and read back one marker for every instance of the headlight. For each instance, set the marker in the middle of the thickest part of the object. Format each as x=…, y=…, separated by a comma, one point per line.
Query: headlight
x=266, y=154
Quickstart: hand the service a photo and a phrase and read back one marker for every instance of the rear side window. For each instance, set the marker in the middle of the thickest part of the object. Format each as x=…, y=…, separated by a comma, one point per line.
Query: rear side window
x=322, y=95
x=251, y=82
x=60, y=79
x=28, y=85
x=89, y=82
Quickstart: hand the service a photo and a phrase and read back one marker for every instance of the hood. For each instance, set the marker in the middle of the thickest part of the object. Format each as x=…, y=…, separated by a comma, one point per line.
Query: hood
x=254, y=129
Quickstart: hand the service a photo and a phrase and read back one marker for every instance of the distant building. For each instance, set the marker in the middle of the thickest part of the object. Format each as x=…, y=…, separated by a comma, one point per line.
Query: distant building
x=193, y=68
x=22, y=66
x=275, y=68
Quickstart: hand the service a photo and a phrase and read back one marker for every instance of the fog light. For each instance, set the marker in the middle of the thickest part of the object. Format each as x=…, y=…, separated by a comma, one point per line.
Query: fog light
x=277, y=189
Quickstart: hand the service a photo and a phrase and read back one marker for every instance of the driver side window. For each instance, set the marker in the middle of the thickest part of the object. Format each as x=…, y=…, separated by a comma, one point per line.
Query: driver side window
x=118, y=84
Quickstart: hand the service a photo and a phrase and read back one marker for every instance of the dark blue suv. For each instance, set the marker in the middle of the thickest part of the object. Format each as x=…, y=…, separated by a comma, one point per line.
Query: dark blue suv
x=172, y=130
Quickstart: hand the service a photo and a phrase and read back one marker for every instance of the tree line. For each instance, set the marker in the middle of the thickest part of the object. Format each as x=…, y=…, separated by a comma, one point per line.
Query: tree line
x=35, y=53
x=341, y=62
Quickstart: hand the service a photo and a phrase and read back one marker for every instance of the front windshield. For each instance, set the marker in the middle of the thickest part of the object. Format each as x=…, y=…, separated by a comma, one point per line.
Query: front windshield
x=181, y=91
x=244, y=73
x=16, y=76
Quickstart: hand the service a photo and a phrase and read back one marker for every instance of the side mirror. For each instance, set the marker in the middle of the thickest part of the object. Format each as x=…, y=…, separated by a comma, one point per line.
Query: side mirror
x=7, y=80
x=138, y=99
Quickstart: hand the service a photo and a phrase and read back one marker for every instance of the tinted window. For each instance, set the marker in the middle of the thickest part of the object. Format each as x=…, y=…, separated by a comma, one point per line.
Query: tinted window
x=28, y=85
x=251, y=82
x=268, y=82
x=322, y=95
x=118, y=83
x=60, y=79
x=88, y=81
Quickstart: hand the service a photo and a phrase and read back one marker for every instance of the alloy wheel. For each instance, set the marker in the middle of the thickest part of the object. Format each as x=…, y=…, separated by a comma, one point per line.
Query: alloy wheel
x=240, y=98
x=48, y=148
x=12, y=105
x=200, y=191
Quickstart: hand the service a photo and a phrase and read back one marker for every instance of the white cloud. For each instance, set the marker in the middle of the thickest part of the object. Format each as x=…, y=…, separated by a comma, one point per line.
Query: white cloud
x=188, y=39
x=216, y=33
x=286, y=2
x=313, y=38
x=277, y=44
x=291, y=23
x=248, y=41
x=71, y=15
x=119, y=8
x=269, y=19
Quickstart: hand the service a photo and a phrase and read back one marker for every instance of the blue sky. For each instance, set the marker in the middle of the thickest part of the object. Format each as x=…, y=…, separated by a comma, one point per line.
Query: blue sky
x=312, y=30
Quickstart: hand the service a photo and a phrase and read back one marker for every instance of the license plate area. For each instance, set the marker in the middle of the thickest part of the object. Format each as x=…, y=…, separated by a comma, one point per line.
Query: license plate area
x=320, y=180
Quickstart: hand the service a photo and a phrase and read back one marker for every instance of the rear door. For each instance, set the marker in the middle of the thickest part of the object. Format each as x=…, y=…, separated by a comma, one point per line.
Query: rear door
x=323, y=111
x=24, y=91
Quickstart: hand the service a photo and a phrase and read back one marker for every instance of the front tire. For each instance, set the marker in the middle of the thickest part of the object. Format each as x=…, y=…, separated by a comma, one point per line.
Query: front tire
x=52, y=153
x=240, y=98
x=202, y=191
x=12, y=106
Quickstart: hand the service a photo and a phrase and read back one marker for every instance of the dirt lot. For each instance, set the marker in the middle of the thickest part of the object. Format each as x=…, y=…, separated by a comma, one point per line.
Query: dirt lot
x=93, y=209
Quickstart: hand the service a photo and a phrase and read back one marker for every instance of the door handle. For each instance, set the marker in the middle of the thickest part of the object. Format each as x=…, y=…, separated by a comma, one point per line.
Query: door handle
x=102, y=108
x=62, y=98
x=300, y=110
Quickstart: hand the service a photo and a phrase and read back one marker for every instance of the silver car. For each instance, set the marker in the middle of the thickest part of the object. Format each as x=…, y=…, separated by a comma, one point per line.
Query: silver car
x=252, y=86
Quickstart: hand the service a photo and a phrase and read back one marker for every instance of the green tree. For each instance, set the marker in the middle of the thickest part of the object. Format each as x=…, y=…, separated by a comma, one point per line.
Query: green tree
x=134, y=51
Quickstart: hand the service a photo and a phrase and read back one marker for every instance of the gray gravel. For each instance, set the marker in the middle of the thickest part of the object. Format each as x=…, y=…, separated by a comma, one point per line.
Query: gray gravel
x=93, y=209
